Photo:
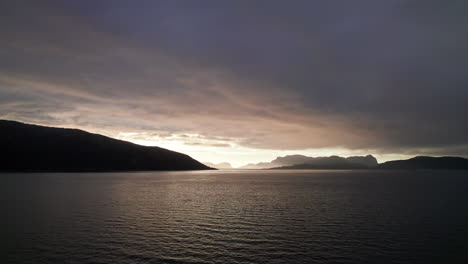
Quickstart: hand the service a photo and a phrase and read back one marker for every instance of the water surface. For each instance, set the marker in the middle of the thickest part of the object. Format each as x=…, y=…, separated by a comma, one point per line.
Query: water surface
x=235, y=217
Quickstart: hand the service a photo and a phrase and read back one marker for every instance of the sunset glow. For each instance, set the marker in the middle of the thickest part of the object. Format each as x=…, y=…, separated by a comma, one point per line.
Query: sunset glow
x=362, y=81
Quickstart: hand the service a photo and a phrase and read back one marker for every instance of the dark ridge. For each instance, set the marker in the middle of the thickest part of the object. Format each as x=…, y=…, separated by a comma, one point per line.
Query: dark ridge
x=27, y=147
x=337, y=166
x=328, y=162
x=430, y=163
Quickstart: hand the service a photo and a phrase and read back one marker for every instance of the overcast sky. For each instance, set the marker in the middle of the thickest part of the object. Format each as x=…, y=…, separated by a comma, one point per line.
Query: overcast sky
x=243, y=81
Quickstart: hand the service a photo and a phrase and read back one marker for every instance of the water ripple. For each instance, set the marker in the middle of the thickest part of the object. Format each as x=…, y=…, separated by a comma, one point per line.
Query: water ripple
x=235, y=217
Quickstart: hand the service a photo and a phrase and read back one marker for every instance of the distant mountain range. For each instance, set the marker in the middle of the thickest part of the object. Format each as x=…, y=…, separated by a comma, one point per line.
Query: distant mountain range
x=301, y=161
x=331, y=166
x=26, y=147
x=223, y=165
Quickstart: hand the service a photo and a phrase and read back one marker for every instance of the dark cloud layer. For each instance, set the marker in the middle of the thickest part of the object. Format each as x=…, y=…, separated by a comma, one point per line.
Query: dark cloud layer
x=383, y=75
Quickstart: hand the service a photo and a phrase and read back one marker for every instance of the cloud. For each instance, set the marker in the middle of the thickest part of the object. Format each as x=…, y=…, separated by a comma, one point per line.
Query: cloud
x=220, y=145
x=386, y=76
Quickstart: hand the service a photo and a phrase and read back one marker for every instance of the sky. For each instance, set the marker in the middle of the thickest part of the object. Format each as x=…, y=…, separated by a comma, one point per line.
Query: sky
x=243, y=81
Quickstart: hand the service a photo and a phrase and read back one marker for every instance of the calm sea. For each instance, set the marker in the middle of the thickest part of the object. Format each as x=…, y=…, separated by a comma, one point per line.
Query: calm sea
x=235, y=217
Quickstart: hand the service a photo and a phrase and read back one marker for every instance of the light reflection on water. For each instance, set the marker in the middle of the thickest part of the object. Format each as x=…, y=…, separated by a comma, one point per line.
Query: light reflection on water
x=235, y=217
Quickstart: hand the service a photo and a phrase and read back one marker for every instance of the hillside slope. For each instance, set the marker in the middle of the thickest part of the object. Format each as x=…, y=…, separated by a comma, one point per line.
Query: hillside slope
x=28, y=147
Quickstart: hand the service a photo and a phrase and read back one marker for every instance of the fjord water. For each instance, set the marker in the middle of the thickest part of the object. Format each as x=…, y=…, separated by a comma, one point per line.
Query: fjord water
x=235, y=217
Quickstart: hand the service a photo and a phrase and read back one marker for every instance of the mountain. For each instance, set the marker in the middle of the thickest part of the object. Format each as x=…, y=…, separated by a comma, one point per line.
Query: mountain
x=432, y=163
x=223, y=165
x=291, y=160
x=28, y=147
x=330, y=166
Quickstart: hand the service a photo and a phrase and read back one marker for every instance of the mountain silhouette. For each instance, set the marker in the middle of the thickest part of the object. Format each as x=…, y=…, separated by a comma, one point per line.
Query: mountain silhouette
x=423, y=162
x=222, y=165
x=28, y=147
x=317, y=162
x=329, y=166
